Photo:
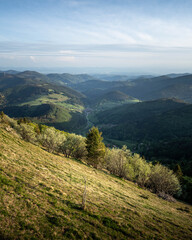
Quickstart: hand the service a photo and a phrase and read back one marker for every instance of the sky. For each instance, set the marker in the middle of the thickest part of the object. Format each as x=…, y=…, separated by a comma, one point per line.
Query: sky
x=133, y=36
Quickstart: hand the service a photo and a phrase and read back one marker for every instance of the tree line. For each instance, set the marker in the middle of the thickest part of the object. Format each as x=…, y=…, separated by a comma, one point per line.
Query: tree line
x=92, y=151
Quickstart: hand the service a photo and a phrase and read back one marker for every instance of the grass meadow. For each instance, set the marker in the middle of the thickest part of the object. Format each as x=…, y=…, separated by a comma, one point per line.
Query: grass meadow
x=41, y=198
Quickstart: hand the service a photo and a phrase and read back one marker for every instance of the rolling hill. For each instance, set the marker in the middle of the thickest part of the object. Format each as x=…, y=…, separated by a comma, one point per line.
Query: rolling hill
x=115, y=96
x=165, y=87
x=113, y=77
x=161, y=87
x=145, y=89
x=29, y=94
x=41, y=198
x=29, y=84
x=112, y=99
x=138, y=121
x=68, y=79
x=9, y=72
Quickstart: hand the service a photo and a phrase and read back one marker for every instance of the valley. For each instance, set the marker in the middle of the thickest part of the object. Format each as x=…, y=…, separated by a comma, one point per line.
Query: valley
x=152, y=116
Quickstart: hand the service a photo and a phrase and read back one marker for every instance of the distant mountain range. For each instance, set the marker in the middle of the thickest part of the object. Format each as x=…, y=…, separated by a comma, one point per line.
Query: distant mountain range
x=143, y=88
x=9, y=72
x=69, y=79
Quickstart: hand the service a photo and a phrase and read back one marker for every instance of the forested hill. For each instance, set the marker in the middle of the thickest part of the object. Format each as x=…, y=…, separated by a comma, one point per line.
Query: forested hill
x=69, y=79
x=152, y=88
x=159, y=130
x=163, y=87
x=150, y=120
x=28, y=84
x=30, y=94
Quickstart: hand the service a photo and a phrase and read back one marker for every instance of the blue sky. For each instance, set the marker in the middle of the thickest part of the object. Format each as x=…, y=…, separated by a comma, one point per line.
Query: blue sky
x=149, y=36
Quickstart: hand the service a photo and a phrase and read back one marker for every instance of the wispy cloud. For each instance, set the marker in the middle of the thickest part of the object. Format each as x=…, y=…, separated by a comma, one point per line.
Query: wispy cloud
x=83, y=32
x=126, y=55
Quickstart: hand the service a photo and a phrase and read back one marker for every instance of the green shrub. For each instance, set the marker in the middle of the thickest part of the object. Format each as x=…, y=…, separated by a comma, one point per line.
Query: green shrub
x=27, y=132
x=162, y=179
x=116, y=161
x=51, y=138
x=74, y=146
x=138, y=169
x=122, y=163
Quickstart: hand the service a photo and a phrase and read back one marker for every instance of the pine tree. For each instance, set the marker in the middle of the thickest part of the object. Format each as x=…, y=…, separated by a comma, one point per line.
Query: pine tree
x=95, y=147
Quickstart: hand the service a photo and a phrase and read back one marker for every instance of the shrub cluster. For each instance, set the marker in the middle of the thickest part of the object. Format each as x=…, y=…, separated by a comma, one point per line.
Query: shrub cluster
x=120, y=162
x=53, y=140
x=125, y=164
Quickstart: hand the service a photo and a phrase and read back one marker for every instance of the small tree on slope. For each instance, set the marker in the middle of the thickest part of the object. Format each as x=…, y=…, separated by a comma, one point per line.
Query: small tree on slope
x=95, y=147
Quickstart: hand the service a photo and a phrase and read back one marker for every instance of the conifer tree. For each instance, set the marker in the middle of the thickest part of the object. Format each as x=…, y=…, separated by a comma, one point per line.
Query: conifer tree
x=95, y=147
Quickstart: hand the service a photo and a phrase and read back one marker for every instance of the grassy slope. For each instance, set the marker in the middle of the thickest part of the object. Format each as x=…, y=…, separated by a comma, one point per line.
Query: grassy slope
x=41, y=195
x=113, y=99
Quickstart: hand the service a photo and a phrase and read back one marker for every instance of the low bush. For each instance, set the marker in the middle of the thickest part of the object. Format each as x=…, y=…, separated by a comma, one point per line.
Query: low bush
x=74, y=146
x=51, y=138
x=163, y=180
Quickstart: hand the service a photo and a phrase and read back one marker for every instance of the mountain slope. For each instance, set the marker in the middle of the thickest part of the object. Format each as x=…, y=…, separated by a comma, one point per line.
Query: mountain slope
x=152, y=88
x=9, y=72
x=29, y=94
x=41, y=197
x=161, y=87
x=115, y=96
x=24, y=85
x=111, y=99
x=49, y=114
x=163, y=120
x=131, y=118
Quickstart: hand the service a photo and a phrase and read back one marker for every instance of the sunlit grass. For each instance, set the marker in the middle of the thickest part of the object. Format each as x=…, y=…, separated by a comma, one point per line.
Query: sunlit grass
x=57, y=99
x=41, y=197
x=111, y=104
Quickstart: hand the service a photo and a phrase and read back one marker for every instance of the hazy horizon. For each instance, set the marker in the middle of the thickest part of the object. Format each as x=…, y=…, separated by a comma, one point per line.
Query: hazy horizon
x=91, y=71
